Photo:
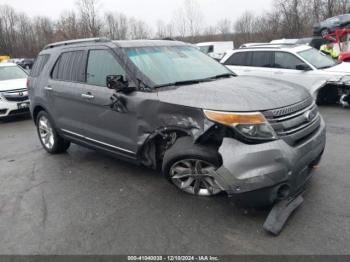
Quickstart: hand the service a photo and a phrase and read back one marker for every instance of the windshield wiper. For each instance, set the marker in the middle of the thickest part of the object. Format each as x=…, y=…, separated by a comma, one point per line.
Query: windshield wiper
x=181, y=83
x=223, y=76
x=197, y=81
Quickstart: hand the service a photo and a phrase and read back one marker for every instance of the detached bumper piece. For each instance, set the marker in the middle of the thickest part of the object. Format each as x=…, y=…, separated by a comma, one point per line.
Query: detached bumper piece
x=280, y=213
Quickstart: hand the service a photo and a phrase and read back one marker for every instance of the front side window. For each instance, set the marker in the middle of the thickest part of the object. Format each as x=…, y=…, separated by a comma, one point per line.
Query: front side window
x=11, y=73
x=70, y=67
x=286, y=61
x=171, y=64
x=261, y=59
x=102, y=63
x=317, y=59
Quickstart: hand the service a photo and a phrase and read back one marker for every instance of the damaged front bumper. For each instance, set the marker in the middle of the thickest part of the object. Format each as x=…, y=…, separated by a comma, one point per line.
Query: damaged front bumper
x=260, y=175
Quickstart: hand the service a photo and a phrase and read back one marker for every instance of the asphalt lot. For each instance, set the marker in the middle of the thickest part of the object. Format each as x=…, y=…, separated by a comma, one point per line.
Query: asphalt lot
x=83, y=202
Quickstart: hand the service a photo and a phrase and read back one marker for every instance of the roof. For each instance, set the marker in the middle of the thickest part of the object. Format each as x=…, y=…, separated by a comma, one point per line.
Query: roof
x=147, y=43
x=269, y=47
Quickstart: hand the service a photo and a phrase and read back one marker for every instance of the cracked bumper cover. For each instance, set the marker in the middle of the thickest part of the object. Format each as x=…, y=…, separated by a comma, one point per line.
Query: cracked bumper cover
x=252, y=174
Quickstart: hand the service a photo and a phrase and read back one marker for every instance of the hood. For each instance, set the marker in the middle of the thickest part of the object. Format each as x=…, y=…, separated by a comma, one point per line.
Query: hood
x=342, y=68
x=242, y=94
x=8, y=85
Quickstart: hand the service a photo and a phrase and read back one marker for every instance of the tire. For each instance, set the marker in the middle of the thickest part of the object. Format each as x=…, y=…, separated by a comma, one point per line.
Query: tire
x=194, y=162
x=52, y=142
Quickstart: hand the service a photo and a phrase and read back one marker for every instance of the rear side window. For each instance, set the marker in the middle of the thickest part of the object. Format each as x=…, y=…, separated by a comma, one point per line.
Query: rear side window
x=101, y=64
x=70, y=67
x=262, y=59
x=39, y=64
x=238, y=59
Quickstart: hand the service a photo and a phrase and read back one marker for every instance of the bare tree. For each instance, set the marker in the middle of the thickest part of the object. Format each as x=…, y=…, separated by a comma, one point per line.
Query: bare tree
x=117, y=26
x=90, y=20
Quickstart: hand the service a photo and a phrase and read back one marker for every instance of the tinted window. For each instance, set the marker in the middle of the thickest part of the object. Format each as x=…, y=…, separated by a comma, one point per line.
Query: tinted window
x=101, y=64
x=239, y=59
x=39, y=64
x=261, y=59
x=286, y=60
x=70, y=67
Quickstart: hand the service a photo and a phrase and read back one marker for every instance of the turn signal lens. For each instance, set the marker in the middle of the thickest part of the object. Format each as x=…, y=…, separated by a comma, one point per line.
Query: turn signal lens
x=234, y=119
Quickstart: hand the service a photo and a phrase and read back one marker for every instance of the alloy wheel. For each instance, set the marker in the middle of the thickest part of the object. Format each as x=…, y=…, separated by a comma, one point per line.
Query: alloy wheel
x=194, y=177
x=46, y=132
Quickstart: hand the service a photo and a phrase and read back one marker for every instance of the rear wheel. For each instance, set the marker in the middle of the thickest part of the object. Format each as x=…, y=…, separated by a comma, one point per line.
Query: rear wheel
x=49, y=138
x=189, y=167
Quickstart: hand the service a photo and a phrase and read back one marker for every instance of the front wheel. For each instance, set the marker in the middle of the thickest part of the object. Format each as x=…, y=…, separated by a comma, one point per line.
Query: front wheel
x=190, y=166
x=49, y=138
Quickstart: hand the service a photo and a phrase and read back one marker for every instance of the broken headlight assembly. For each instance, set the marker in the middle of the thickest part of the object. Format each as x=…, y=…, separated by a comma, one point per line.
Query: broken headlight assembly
x=250, y=126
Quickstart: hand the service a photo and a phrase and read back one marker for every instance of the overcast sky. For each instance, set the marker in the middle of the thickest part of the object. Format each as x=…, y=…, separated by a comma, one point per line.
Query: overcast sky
x=148, y=10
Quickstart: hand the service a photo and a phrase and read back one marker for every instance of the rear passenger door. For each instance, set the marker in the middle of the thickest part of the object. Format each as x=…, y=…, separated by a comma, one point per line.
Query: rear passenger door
x=63, y=92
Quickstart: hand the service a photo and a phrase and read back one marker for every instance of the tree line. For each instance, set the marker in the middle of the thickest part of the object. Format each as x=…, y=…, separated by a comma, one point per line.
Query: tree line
x=24, y=36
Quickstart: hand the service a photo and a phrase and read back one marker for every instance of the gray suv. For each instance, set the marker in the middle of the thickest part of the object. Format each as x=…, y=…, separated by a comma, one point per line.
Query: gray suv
x=164, y=104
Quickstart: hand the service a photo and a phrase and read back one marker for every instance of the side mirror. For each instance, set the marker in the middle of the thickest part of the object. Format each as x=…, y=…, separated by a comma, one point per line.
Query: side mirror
x=118, y=83
x=303, y=67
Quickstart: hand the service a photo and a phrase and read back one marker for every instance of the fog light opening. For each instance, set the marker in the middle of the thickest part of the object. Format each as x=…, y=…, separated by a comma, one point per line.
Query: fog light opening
x=283, y=192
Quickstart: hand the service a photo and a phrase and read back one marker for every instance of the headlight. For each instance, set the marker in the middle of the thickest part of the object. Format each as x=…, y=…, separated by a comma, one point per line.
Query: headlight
x=250, y=125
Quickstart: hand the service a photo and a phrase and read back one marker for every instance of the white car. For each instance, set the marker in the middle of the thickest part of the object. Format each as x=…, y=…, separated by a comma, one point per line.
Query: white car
x=13, y=91
x=326, y=79
x=216, y=50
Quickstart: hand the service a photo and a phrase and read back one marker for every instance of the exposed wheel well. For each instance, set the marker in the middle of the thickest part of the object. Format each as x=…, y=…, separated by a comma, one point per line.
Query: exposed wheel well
x=328, y=95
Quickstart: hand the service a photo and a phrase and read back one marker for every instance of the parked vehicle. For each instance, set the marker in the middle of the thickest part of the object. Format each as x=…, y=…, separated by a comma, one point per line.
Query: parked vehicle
x=26, y=63
x=13, y=91
x=216, y=50
x=165, y=104
x=327, y=80
x=315, y=41
x=4, y=58
x=330, y=25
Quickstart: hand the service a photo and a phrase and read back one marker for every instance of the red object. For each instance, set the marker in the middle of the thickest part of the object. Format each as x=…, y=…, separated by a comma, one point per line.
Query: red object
x=337, y=38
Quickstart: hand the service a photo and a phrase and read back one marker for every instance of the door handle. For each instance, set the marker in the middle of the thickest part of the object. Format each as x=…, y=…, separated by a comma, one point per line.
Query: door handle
x=48, y=88
x=278, y=73
x=87, y=96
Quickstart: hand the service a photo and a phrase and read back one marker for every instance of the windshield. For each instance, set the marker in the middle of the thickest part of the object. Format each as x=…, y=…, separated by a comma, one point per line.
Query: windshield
x=172, y=64
x=317, y=59
x=11, y=72
x=206, y=49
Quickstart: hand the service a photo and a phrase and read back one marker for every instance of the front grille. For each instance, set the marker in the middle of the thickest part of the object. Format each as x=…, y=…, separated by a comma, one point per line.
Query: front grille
x=19, y=95
x=295, y=123
x=19, y=111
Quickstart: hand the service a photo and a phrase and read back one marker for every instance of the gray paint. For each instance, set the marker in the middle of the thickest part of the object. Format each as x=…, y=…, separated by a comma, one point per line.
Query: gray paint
x=149, y=112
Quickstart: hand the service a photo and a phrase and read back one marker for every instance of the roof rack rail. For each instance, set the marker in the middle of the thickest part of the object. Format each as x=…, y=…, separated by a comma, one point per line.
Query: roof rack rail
x=78, y=41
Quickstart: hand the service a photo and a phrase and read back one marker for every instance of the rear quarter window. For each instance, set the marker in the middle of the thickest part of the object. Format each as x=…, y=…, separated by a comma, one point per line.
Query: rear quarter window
x=39, y=64
x=237, y=59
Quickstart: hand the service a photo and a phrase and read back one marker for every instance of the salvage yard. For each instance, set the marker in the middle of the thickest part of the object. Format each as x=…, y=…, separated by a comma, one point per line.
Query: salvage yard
x=84, y=202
